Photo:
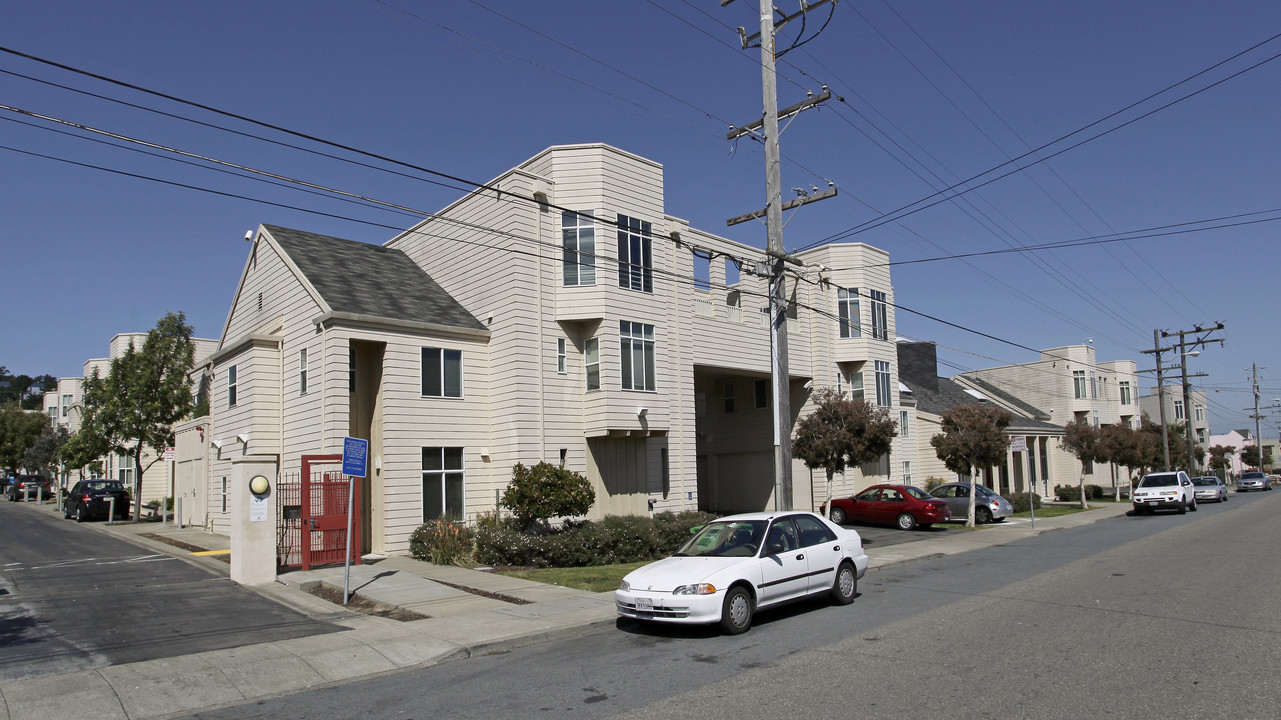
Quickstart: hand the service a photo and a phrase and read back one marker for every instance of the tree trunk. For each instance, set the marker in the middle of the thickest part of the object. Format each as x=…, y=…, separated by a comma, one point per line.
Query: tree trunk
x=137, y=483
x=1081, y=486
x=969, y=513
x=828, y=503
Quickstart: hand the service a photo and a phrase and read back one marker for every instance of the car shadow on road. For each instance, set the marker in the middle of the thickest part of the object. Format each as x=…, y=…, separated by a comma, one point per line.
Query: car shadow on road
x=656, y=632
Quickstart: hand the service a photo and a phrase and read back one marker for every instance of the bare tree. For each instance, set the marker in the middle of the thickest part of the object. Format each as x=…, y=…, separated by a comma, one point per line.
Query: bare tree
x=842, y=432
x=973, y=437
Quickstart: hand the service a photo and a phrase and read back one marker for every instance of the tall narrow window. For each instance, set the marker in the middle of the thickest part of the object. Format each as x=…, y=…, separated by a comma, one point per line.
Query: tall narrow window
x=1178, y=409
x=907, y=472
x=351, y=369
x=1094, y=387
x=903, y=429
x=880, y=316
x=636, y=351
x=635, y=254
x=1200, y=413
x=763, y=388
x=883, y=383
x=225, y=495
x=442, y=374
x=856, y=385
x=591, y=361
x=1078, y=384
x=66, y=404
x=728, y=395
x=561, y=356
x=578, y=247
x=442, y=483
x=302, y=371
x=1124, y=387
x=847, y=308
x=231, y=386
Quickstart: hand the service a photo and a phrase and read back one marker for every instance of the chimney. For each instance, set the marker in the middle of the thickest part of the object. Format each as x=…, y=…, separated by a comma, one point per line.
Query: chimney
x=918, y=364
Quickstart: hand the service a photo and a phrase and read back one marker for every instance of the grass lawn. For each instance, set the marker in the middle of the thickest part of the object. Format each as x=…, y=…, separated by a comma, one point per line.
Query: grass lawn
x=1049, y=511
x=598, y=578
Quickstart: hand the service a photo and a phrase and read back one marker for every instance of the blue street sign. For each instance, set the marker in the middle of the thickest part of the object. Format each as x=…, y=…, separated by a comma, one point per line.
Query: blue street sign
x=355, y=456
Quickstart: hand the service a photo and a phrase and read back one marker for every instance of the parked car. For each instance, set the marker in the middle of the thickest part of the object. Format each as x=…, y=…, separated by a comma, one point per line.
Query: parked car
x=902, y=505
x=739, y=564
x=36, y=487
x=1253, y=481
x=1209, y=487
x=988, y=506
x=1164, y=491
x=92, y=498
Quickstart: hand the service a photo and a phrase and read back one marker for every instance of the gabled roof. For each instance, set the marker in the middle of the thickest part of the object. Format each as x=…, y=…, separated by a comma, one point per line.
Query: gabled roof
x=949, y=394
x=370, y=280
x=1024, y=408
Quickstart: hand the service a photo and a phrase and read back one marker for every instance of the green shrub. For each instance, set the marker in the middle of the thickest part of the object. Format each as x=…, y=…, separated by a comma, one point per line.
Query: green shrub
x=1021, y=501
x=1067, y=493
x=1093, y=492
x=613, y=539
x=932, y=482
x=443, y=542
x=545, y=491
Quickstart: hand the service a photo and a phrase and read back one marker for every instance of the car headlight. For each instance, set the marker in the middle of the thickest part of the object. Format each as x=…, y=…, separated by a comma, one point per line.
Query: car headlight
x=625, y=586
x=695, y=589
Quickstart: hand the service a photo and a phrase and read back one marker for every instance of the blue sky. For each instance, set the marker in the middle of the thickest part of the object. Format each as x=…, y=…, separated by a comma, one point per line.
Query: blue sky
x=934, y=92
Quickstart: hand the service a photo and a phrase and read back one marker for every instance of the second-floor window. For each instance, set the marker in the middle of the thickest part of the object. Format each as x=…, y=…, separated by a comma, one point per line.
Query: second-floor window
x=302, y=371
x=561, y=356
x=231, y=386
x=1124, y=386
x=880, y=316
x=578, y=243
x=1200, y=413
x=635, y=254
x=856, y=385
x=847, y=307
x=591, y=363
x=883, y=383
x=1078, y=384
x=442, y=373
x=66, y=405
x=903, y=429
x=636, y=351
x=1178, y=409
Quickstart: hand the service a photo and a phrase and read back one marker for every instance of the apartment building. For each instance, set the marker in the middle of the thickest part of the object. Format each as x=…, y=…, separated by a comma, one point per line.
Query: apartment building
x=1177, y=414
x=557, y=314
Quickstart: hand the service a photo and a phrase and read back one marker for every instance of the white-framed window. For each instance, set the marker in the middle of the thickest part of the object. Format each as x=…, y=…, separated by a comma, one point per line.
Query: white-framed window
x=442, y=483
x=635, y=254
x=728, y=394
x=1078, y=384
x=1200, y=413
x=66, y=404
x=762, y=390
x=1094, y=387
x=302, y=371
x=578, y=247
x=903, y=429
x=226, y=496
x=880, y=316
x=1178, y=409
x=847, y=308
x=53, y=413
x=562, y=357
x=1200, y=435
x=442, y=373
x=231, y=386
x=591, y=363
x=1124, y=385
x=636, y=351
x=883, y=383
x=856, y=385
x=907, y=472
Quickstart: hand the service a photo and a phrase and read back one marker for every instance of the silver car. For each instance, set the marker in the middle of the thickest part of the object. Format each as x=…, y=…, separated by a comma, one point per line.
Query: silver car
x=988, y=506
x=1253, y=481
x=1209, y=488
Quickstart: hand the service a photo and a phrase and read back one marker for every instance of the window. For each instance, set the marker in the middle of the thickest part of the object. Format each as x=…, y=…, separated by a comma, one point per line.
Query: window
x=1178, y=409
x=763, y=388
x=53, y=413
x=442, y=373
x=636, y=350
x=442, y=483
x=66, y=404
x=1078, y=384
x=225, y=495
x=1125, y=392
x=351, y=370
x=302, y=371
x=880, y=317
x=231, y=386
x=635, y=255
x=728, y=394
x=591, y=362
x=561, y=357
x=1094, y=387
x=1200, y=413
x=578, y=243
x=883, y=383
x=1045, y=460
x=903, y=429
x=907, y=472
x=856, y=385
x=847, y=306
x=1200, y=435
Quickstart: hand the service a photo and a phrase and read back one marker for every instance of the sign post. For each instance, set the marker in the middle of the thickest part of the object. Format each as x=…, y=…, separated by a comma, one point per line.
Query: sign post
x=355, y=459
x=1018, y=443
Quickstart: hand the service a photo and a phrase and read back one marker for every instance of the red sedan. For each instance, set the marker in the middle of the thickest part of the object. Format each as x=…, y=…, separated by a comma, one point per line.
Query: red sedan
x=901, y=505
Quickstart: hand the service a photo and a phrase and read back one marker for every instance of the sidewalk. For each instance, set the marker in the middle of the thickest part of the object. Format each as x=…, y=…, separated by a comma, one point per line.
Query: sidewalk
x=498, y=614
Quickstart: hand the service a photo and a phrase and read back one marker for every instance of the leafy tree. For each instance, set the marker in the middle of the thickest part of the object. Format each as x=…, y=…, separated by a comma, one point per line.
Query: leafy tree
x=1221, y=457
x=539, y=493
x=1178, y=446
x=26, y=390
x=1122, y=445
x=973, y=437
x=842, y=432
x=42, y=456
x=1250, y=456
x=1083, y=440
x=19, y=430
x=83, y=449
x=144, y=393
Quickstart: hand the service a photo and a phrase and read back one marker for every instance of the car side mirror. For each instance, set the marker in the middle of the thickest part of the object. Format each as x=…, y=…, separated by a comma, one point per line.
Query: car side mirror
x=774, y=548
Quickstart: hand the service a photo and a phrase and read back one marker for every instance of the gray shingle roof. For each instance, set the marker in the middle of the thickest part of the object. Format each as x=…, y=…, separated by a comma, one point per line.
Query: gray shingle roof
x=364, y=279
x=996, y=392
x=949, y=394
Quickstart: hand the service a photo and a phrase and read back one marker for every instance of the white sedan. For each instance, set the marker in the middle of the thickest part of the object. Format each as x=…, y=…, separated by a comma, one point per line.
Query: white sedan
x=736, y=565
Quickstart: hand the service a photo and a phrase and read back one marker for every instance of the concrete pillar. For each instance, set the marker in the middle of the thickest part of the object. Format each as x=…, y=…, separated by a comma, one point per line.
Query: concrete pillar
x=253, y=521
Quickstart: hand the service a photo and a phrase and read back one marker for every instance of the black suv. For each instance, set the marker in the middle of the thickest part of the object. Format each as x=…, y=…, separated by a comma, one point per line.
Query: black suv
x=34, y=486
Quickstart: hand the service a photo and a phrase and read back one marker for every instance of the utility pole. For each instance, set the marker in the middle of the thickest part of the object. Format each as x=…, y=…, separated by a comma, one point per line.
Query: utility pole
x=1160, y=395
x=774, y=240
x=1185, y=349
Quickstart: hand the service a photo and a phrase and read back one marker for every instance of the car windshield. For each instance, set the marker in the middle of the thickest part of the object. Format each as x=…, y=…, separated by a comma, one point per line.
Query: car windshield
x=104, y=485
x=1205, y=481
x=917, y=493
x=1160, y=480
x=1252, y=476
x=740, y=538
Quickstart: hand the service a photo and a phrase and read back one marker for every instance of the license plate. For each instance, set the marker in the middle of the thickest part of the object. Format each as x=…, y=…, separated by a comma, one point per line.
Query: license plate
x=1152, y=502
x=644, y=604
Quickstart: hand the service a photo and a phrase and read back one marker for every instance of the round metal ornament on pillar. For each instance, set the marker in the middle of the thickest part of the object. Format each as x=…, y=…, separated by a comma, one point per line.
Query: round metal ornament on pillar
x=259, y=485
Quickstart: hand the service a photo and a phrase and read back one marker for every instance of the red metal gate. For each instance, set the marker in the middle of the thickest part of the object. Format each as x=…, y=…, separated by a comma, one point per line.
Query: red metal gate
x=312, y=527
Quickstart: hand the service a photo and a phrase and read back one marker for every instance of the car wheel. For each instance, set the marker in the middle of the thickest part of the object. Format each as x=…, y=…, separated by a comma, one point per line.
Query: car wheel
x=982, y=516
x=736, y=615
x=1183, y=508
x=846, y=585
x=66, y=512
x=905, y=521
x=1192, y=507
x=80, y=513
x=838, y=516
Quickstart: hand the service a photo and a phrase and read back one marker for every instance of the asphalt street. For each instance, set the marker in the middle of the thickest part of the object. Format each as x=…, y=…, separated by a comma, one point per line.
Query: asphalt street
x=1135, y=617
x=73, y=597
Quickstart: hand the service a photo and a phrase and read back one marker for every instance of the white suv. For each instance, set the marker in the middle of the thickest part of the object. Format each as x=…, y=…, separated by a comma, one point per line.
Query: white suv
x=1164, y=491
